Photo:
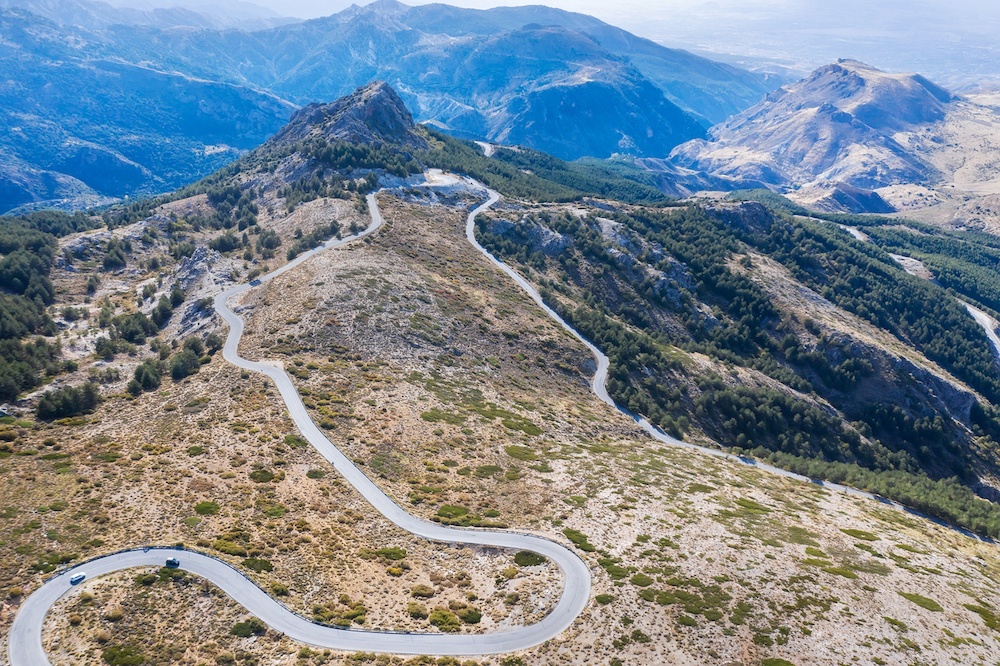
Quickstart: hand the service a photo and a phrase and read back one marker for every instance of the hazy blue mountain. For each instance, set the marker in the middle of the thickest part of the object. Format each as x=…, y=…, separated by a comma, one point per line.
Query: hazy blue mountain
x=76, y=130
x=495, y=74
x=710, y=90
x=94, y=14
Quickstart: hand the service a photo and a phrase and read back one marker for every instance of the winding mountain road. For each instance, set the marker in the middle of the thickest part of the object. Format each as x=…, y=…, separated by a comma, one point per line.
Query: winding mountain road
x=25, y=642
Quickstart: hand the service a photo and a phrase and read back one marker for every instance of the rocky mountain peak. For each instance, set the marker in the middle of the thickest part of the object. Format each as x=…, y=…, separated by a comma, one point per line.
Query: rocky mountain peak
x=839, y=127
x=373, y=114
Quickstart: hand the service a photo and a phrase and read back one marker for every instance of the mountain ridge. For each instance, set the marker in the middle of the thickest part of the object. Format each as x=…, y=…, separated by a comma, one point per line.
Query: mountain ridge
x=94, y=14
x=783, y=339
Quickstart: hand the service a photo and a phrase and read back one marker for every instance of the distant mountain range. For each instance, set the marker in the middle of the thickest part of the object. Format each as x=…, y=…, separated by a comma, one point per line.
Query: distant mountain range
x=92, y=108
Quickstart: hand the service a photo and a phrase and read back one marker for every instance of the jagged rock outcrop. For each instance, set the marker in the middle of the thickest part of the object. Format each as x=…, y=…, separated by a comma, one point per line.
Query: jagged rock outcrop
x=84, y=243
x=194, y=268
x=748, y=216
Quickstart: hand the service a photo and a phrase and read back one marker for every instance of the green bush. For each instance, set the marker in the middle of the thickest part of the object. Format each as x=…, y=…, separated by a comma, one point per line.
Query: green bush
x=296, y=441
x=229, y=548
x=206, y=508
x=147, y=578
x=118, y=655
x=521, y=453
x=486, y=471
x=641, y=580
x=526, y=558
x=469, y=615
x=444, y=620
x=248, y=628
x=261, y=475
x=435, y=415
x=258, y=565
x=416, y=611
x=452, y=512
x=392, y=553
x=422, y=592
x=922, y=601
x=579, y=539
x=860, y=534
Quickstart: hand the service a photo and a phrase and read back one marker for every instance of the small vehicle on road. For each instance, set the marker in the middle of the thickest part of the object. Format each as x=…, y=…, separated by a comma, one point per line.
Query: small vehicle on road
x=173, y=562
x=254, y=283
x=77, y=578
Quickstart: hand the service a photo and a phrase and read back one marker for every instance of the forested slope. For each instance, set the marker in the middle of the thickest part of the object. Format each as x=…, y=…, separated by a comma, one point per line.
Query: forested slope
x=699, y=344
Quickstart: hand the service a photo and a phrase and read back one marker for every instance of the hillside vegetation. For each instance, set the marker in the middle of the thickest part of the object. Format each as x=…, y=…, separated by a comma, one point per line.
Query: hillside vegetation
x=657, y=289
x=727, y=323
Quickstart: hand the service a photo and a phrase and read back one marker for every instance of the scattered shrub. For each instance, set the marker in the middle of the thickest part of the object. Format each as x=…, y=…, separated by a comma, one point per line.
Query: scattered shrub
x=261, y=475
x=229, y=548
x=469, y=615
x=248, y=628
x=579, y=539
x=922, y=601
x=486, y=471
x=117, y=655
x=422, y=591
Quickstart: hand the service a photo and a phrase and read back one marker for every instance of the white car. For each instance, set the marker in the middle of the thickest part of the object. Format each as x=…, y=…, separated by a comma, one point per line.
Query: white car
x=77, y=578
